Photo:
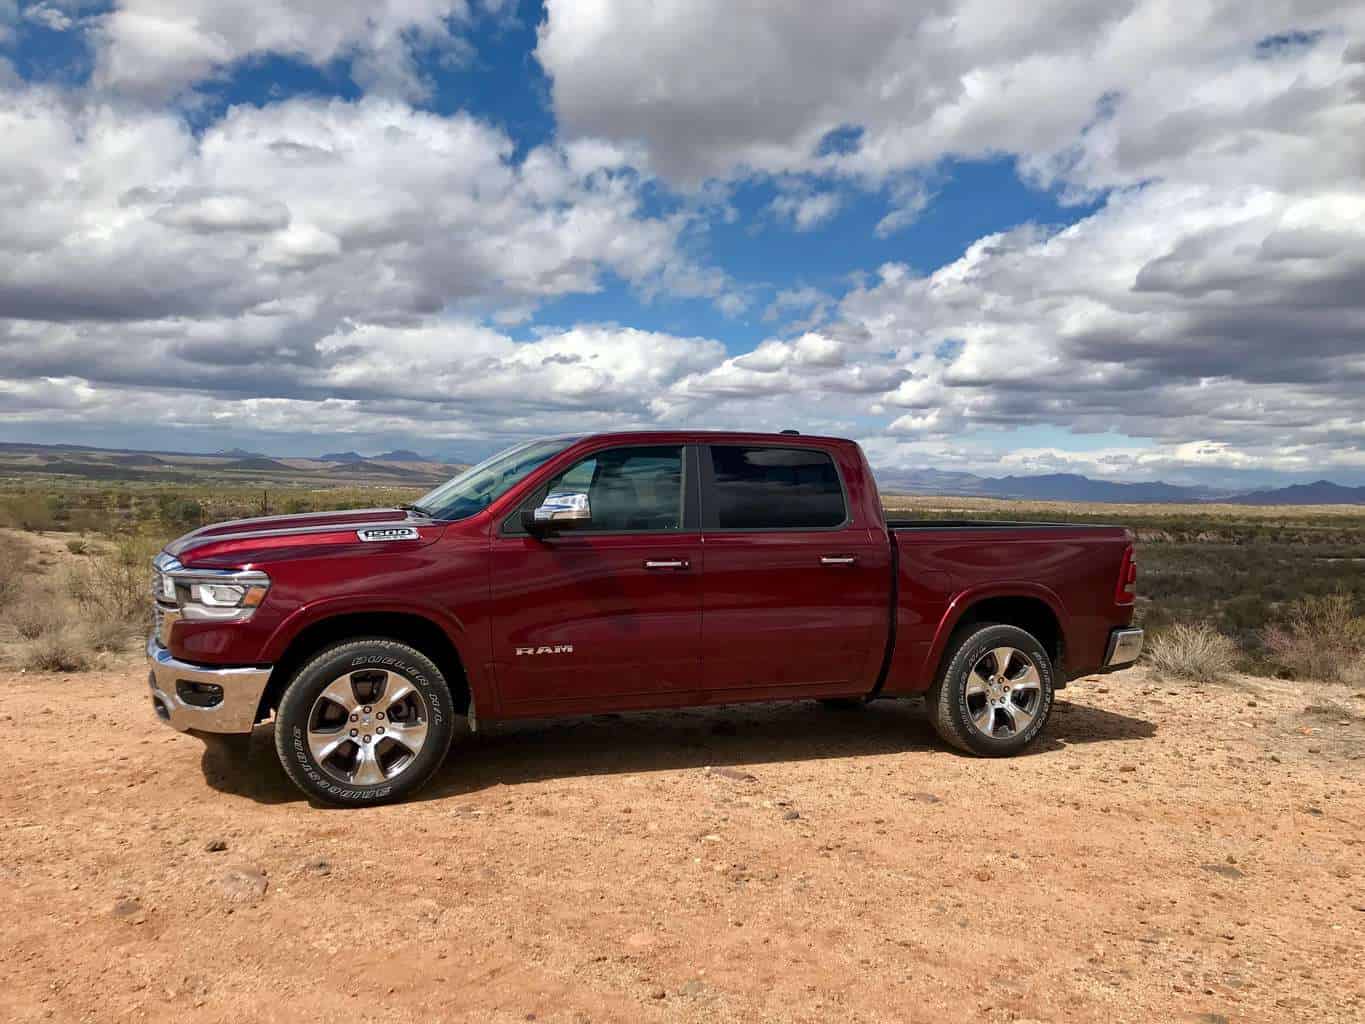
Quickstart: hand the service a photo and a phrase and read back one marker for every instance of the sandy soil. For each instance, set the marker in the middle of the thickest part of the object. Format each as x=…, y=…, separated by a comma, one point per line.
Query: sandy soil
x=1167, y=853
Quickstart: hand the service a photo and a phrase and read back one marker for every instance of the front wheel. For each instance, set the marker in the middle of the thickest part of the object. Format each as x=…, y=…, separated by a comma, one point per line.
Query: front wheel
x=365, y=722
x=995, y=693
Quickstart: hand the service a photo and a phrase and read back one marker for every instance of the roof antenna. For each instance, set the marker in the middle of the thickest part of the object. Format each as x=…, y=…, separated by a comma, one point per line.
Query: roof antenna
x=789, y=430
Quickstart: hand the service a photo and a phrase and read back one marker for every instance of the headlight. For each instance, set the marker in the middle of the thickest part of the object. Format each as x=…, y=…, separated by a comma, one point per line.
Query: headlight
x=207, y=595
x=227, y=595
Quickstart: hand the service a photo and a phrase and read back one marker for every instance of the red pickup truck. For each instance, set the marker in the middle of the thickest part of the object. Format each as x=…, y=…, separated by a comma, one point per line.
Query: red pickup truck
x=573, y=575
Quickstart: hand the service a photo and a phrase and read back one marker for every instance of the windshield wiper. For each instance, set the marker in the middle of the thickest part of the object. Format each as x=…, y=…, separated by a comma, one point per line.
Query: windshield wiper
x=421, y=510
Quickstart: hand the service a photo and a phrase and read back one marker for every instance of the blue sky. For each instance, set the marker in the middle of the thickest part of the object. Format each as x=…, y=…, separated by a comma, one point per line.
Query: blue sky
x=1031, y=242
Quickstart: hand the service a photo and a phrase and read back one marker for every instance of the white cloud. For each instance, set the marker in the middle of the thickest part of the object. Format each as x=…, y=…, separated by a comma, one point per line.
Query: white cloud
x=808, y=211
x=156, y=48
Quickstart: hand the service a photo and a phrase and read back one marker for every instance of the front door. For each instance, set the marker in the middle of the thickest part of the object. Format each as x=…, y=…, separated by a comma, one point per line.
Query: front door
x=611, y=608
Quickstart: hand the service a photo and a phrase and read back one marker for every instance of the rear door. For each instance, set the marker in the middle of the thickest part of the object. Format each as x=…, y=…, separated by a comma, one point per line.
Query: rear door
x=795, y=597
x=610, y=610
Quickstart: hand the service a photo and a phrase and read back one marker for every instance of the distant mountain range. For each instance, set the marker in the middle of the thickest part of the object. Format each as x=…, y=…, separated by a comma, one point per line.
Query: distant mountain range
x=1074, y=487
x=408, y=468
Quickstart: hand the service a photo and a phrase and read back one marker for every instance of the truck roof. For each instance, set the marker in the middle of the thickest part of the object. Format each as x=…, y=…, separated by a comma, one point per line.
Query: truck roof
x=726, y=436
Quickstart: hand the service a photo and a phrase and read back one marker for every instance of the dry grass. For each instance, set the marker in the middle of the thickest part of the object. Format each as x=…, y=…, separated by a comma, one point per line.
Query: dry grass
x=1193, y=651
x=1319, y=638
x=62, y=650
x=114, y=587
x=36, y=617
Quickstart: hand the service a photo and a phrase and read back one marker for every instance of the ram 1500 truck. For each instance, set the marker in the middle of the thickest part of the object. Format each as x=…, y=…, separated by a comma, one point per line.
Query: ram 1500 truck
x=573, y=575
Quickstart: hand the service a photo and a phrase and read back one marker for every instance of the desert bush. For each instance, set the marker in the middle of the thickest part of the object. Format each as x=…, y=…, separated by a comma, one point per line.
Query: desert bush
x=35, y=617
x=63, y=650
x=12, y=552
x=115, y=585
x=78, y=546
x=1318, y=637
x=29, y=511
x=108, y=634
x=1193, y=651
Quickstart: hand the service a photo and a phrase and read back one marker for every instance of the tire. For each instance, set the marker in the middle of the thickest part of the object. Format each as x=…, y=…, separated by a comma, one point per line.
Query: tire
x=976, y=710
x=365, y=722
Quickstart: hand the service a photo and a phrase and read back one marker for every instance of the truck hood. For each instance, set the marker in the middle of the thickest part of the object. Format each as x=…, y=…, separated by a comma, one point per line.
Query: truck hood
x=265, y=539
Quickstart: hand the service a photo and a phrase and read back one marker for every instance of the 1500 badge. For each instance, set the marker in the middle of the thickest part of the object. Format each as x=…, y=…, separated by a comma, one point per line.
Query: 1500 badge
x=552, y=649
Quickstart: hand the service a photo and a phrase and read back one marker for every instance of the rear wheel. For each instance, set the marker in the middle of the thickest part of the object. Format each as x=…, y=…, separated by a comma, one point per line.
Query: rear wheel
x=995, y=693
x=364, y=722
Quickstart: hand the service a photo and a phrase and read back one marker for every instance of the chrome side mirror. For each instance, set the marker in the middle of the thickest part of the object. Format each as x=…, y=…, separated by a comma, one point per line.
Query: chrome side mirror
x=561, y=510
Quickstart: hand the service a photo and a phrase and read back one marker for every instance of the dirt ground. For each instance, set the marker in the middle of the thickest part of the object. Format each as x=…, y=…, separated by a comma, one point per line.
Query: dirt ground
x=1167, y=853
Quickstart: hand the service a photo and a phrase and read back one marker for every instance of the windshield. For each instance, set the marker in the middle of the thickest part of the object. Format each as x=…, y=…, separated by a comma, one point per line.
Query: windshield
x=479, y=486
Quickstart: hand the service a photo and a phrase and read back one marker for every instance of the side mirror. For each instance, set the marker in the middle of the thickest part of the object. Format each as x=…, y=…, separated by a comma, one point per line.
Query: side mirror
x=561, y=510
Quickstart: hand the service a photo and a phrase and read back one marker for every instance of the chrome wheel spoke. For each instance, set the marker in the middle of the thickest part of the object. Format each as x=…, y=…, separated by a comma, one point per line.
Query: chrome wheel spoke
x=341, y=692
x=408, y=734
x=1003, y=656
x=368, y=771
x=323, y=745
x=985, y=719
x=1019, y=718
x=1027, y=679
x=396, y=690
x=976, y=687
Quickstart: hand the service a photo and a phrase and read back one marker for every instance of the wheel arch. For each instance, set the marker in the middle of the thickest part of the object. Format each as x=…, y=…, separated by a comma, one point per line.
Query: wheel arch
x=1030, y=607
x=413, y=628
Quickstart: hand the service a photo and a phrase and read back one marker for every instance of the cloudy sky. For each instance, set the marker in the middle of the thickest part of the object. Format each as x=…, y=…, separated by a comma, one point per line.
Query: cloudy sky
x=1123, y=238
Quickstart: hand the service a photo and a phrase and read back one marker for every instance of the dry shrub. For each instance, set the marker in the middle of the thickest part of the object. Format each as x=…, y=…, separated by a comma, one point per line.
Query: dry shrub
x=38, y=616
x=106, y=634
x=1319, y=638
x=1193, y=651
x=78, y=546
x=62, y=650
x=115, y=586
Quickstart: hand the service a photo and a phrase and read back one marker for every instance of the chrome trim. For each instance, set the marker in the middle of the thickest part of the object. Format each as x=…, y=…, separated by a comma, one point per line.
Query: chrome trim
x=564, y=507
x=242, y=689
x=1124, y=647
x=292, y=531
x=374, y=534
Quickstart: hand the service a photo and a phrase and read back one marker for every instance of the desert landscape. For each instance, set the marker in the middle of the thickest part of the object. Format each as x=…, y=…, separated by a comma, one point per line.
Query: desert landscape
x=1183, y=844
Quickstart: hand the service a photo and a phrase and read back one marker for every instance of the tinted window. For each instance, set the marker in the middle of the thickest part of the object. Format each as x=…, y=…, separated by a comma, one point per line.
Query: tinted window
x=775, y=488
x=629, y=488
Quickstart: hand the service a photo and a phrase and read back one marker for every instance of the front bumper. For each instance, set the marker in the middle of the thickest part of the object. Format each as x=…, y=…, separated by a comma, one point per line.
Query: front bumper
x=200, y=697
x=1124, y=647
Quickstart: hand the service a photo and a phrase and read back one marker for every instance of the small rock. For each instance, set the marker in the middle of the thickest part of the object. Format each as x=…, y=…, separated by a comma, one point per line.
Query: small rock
x=1314, y=811
x=657, y=992
x=791, y=815
x=127, y=908
x=1127, y=767
x=243, y=885
x=318, y=866
x=694, y=987
x=1251, y=703
x=1276, y=758
x=215, y=846
x=1315, y=750
x=925, y=798
x=1226, y=870
x=1102, y=689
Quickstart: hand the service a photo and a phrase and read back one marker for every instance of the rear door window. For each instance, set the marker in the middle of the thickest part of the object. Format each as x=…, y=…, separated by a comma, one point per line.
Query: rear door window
x=762, y=488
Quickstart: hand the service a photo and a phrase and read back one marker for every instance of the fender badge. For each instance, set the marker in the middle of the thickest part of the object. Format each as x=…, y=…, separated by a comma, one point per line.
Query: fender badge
x=379, y=533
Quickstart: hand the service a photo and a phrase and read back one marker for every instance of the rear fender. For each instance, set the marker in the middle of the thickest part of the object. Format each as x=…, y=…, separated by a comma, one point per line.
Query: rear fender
x=962, y=604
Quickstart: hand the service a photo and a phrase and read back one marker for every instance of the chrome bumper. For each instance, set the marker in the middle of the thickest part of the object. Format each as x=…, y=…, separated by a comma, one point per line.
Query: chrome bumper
x=201, y=697
x=1124, y=647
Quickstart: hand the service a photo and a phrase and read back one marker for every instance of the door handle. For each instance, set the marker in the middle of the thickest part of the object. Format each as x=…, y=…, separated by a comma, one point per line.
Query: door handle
x=667, y=563
x=838, y=559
